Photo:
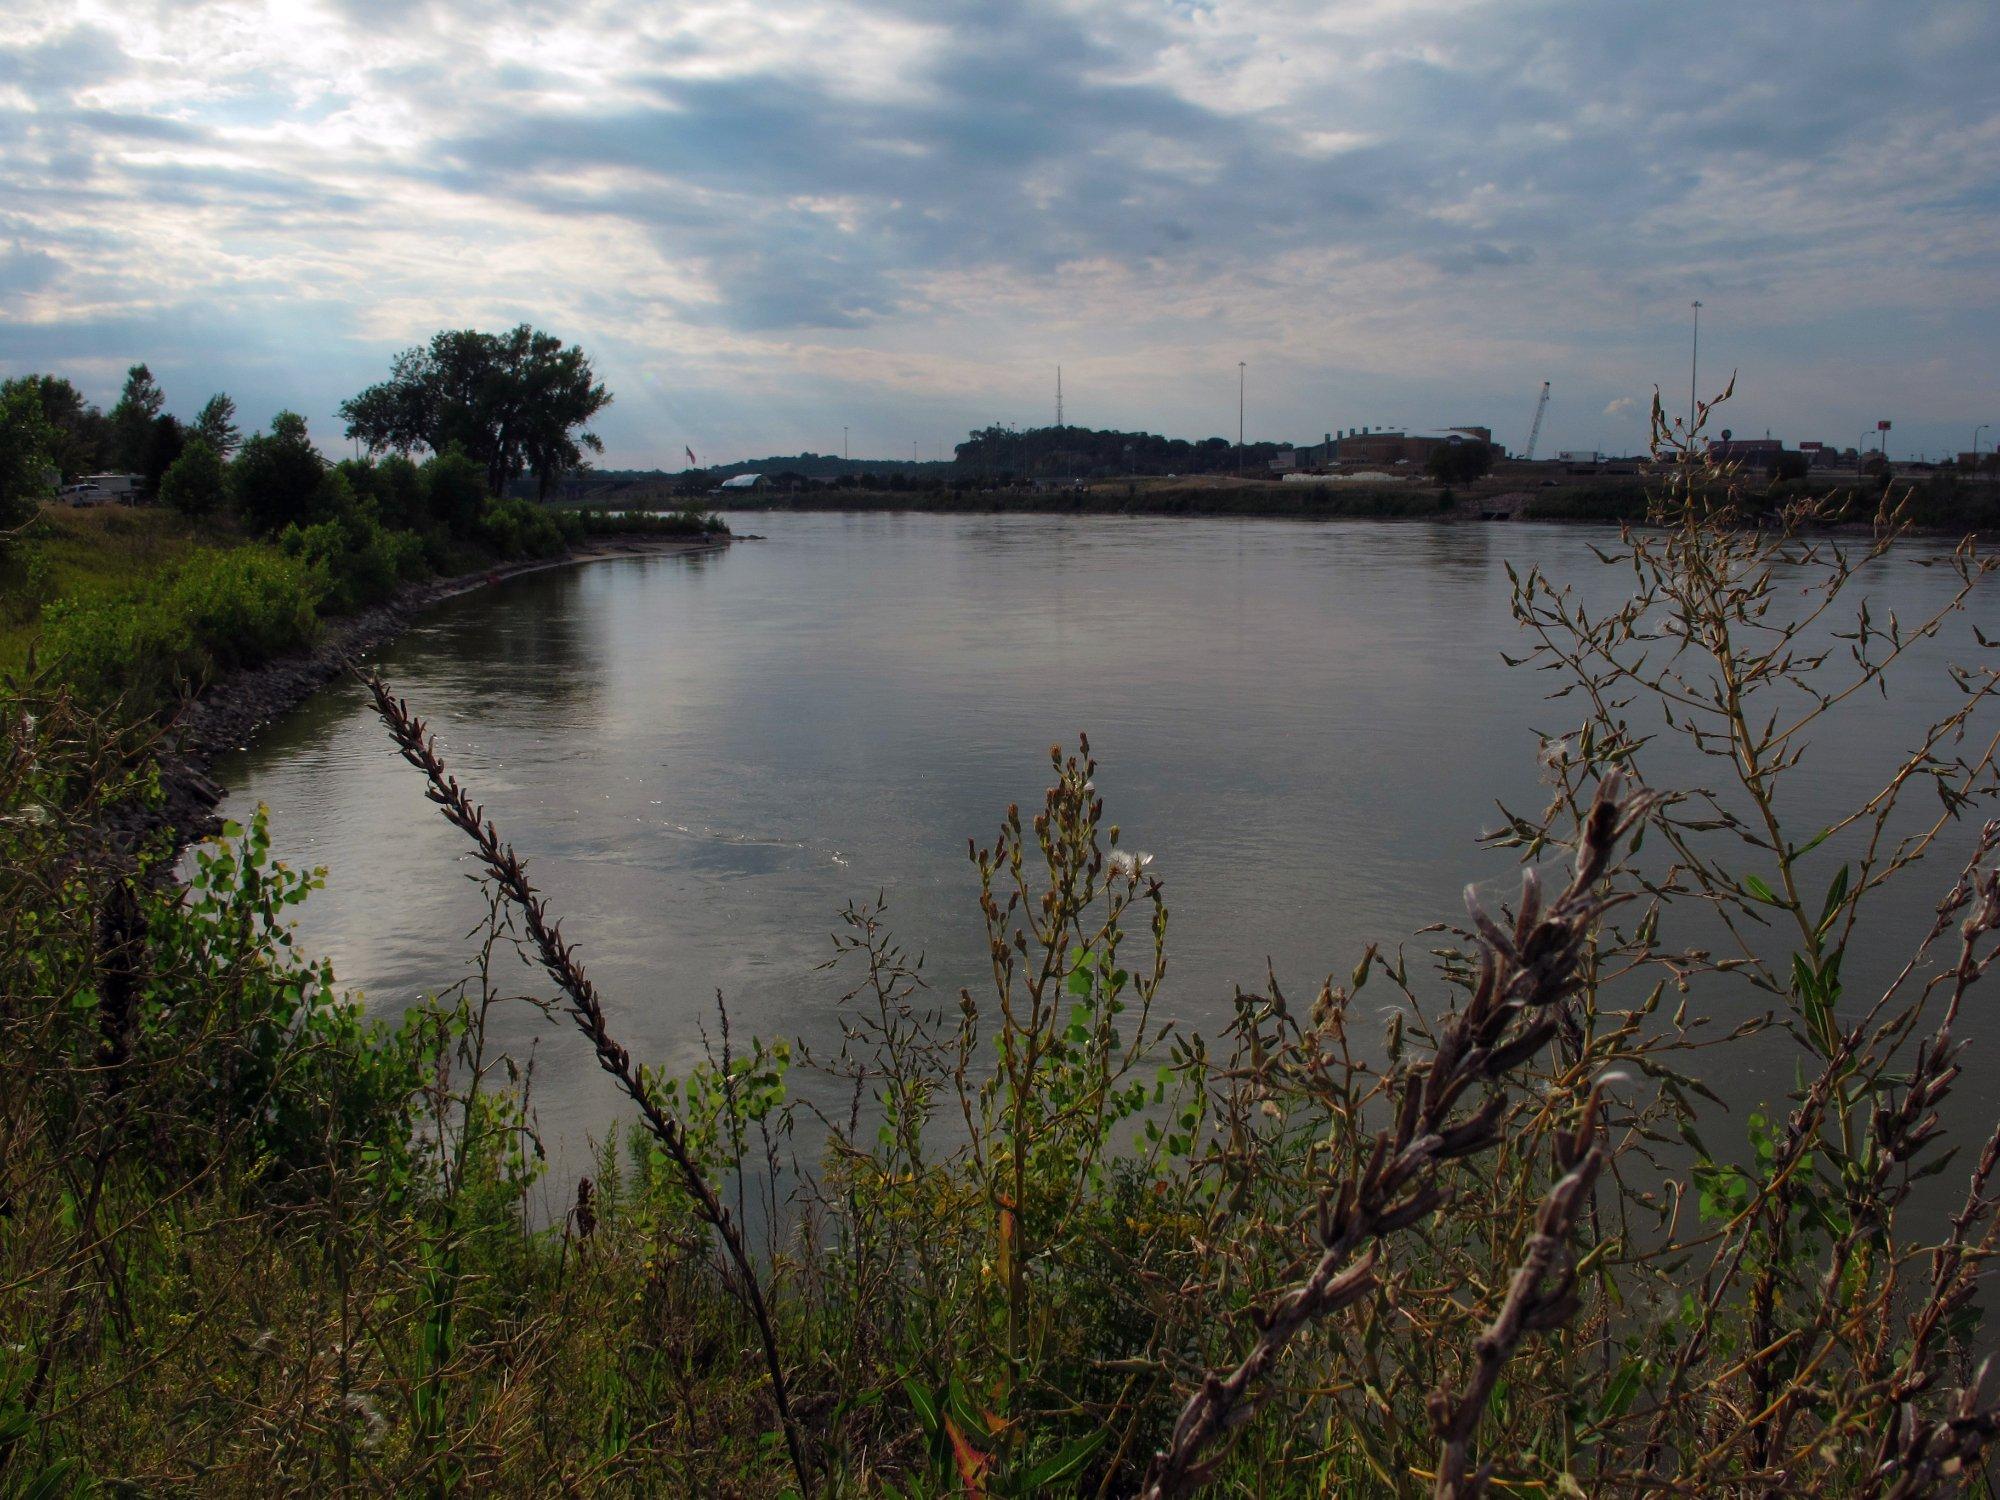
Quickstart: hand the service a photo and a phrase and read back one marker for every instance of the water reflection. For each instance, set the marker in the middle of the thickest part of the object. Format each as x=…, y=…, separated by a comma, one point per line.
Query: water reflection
x=706, y=757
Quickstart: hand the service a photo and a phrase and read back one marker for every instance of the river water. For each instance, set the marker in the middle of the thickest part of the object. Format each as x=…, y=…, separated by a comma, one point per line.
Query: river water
x=704, y=757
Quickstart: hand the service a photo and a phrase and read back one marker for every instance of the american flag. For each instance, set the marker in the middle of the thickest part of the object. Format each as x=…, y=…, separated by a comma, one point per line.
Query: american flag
x=693, y=462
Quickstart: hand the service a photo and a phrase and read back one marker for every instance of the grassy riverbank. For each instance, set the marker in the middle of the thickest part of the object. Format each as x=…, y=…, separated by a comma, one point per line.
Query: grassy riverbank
x=1373, y=1234
x=1393, y=1233
x=143, y=604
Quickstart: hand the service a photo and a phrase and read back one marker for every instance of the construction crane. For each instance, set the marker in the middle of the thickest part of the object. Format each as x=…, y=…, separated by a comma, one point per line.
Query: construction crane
x=1535, y=432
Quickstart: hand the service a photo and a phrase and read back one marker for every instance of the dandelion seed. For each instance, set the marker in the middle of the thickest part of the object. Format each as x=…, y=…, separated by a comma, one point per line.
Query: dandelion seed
x=1129, y=865
x=358, y=1405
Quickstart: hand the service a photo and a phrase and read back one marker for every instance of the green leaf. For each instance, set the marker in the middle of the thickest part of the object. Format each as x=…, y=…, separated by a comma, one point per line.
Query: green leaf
x=52, y=1481
x=1618, y=1395
x=1761, y=891
x=925, y=1403
x=969, y=1416
x=1066, y=1464
x=1836, y=895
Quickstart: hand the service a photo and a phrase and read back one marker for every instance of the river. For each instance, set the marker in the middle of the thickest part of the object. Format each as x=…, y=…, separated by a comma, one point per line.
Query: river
x=704, y=757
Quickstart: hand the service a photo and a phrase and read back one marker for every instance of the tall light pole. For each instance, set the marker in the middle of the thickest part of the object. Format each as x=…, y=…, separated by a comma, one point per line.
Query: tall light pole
x=1694, y=363
x=1239, y=417
x=843, y=445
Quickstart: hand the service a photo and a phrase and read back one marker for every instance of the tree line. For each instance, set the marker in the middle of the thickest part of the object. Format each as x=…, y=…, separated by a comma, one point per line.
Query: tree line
x=483, y=409
x=1087, y=453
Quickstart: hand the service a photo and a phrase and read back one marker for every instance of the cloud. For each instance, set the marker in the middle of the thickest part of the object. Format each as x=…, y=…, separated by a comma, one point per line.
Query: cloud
x=772, y=218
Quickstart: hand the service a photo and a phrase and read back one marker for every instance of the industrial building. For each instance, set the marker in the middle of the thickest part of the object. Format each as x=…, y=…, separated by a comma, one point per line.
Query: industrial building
x=1370, y=447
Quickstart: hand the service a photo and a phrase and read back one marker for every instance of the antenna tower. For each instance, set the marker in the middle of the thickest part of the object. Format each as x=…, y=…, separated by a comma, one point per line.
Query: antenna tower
x=1535, y=432
x=1059, y=411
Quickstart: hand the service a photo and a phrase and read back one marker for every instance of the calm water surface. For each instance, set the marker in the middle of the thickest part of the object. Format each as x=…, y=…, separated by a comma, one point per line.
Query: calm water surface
x=705, y=757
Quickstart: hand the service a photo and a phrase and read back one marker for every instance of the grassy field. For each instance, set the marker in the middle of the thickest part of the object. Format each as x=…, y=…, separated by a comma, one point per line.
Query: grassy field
x=69, y=552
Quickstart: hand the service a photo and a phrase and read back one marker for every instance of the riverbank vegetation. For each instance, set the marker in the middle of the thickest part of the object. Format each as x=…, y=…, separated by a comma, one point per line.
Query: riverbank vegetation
x=253, y=539
x=1262, y=500
x=1471, y=1220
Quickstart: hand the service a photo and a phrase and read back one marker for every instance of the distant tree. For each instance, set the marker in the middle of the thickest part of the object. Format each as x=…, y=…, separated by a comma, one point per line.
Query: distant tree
x=1786, y=464
x=196, y=483
x=132, y=418
x=81, y=431
x=215, y=424
x=1459, y=463
x=27, y=453
x=164, y=441
x=278, y=477
x=515, y=402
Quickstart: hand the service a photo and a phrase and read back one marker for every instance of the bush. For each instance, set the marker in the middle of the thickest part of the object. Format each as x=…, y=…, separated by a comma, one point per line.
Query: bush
x=195, y=483
x=400, y=499
x=215, y=610
x=454, y=491
x=577, y=524
x=520, y=528
x=361, y=561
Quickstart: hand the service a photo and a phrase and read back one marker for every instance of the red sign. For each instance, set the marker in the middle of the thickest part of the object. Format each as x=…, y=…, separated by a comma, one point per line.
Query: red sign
x=1881, y=426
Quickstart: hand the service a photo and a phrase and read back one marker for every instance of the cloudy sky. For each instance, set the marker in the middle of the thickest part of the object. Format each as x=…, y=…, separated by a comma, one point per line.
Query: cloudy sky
x=769, y=219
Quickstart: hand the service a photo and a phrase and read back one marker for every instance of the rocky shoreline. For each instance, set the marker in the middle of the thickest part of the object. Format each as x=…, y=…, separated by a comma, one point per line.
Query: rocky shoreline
x=234, y=709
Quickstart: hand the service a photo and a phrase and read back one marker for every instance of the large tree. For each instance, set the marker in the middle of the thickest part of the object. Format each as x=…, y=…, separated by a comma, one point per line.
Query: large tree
x=514, y=402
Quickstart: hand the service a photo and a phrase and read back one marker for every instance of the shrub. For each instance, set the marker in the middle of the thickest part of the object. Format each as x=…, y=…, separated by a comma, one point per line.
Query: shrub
x=215, y=609
x=520, y=528
x=195, y=483
x=361, y=561
x=454, y=491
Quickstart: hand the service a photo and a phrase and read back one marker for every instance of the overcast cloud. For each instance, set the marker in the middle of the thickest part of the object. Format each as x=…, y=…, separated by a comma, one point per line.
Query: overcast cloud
x=772, y=219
